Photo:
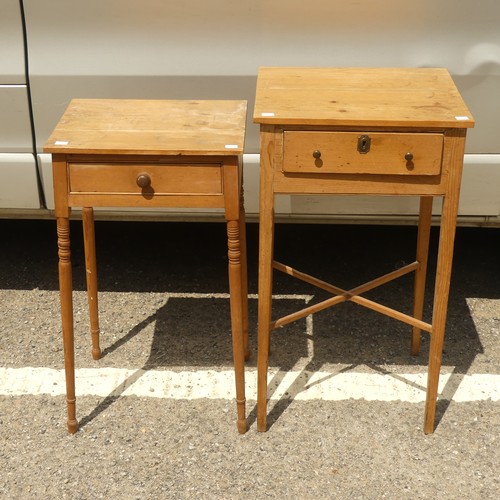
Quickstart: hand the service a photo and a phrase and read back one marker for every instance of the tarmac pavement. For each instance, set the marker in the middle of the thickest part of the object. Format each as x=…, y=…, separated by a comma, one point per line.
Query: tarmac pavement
x=157, y=412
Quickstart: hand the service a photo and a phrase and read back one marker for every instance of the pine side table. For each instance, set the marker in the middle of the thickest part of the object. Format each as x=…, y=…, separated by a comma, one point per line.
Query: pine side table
x=149, y=153
x=361, y=131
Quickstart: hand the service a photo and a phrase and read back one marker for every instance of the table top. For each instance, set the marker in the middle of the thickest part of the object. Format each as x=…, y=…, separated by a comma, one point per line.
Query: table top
x=416, y=97
x=150, y=127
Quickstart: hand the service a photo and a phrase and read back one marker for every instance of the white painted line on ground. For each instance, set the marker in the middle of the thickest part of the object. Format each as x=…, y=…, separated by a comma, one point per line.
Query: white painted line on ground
x=219, y=384
x=213, y=384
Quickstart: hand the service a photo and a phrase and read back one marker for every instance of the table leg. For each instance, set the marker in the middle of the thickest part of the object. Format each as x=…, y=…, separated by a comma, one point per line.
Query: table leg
x=91, y=275
x=266, y=251
x=237, y=308
x=424, y=231
x=266, y=243
x=66, y=296
x=244, y=276
x=441, y=293
x=456, y=142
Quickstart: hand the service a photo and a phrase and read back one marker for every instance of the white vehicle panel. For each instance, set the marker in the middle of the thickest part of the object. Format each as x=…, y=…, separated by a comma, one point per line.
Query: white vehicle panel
x=15, y=127
x=11, y=43
x=198, y=49
x=19, y=189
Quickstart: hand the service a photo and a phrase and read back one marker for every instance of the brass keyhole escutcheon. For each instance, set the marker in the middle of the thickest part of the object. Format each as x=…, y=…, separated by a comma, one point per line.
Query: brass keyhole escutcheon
x=364, y=143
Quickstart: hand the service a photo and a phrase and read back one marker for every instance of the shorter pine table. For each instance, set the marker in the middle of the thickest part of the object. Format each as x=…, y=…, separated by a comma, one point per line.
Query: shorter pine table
x=361, y=131
x=149, y=153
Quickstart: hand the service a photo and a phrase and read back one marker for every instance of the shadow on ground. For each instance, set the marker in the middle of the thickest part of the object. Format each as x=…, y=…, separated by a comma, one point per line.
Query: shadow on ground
x=192, y=258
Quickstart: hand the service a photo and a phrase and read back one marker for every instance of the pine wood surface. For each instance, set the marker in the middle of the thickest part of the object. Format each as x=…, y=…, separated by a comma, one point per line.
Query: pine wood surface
x=425, y=97
x=136, y=126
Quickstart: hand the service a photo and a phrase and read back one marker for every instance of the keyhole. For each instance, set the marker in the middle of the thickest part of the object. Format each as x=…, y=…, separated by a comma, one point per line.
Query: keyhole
x=364, y=142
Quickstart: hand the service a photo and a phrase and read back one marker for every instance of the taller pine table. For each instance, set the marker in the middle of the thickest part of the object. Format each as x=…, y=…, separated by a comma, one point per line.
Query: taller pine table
x=152, y=154
x=361, y=131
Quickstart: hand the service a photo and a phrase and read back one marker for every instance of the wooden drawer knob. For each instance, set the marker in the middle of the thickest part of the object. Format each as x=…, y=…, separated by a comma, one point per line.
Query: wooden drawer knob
x=143, y=180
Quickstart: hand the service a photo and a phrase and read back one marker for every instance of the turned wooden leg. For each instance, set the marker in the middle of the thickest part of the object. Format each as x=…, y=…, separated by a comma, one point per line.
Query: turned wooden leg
x=424, y=231
x=66, y=295
x=237, y=308
x=91, y=275
x=244, y=277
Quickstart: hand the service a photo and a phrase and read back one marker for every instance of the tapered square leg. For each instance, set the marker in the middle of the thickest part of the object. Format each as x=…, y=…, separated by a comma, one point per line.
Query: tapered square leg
x=424, y=231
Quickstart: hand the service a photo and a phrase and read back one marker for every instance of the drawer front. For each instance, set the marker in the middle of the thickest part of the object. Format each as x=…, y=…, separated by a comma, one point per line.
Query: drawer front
x=362, y=153
x=145, y=178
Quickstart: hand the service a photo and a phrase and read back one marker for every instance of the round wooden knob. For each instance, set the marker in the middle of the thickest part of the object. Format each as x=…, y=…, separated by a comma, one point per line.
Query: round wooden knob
x=317, y=154
x=409, y=156
x=143, y=180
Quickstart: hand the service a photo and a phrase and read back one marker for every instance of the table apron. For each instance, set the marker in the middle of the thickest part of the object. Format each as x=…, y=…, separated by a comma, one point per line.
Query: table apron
x=362, y=185
x=138, y=200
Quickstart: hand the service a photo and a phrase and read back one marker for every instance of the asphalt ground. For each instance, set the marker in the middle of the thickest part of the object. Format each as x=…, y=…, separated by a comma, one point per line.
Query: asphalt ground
x=164, y=311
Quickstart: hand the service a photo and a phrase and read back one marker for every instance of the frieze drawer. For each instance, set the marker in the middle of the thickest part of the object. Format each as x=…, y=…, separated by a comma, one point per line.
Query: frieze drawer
x=120, y=178
x=362, y=153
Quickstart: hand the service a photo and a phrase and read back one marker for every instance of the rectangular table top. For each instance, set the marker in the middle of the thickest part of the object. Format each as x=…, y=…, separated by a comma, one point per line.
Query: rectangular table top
x=415, y=97
x=150, y=127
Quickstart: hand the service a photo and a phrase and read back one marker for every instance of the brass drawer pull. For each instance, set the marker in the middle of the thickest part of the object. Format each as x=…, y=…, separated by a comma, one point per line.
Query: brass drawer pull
x=317, y=154
x=143, y=180
x=409, y=156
